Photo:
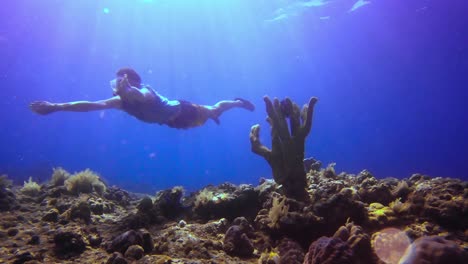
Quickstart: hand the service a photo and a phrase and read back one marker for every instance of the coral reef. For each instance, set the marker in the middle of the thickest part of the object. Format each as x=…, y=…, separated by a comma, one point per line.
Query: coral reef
x=355, y=219
x=286, y=157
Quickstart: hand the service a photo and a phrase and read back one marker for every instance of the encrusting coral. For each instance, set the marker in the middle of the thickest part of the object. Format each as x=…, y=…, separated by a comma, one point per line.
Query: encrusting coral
x=286, y=157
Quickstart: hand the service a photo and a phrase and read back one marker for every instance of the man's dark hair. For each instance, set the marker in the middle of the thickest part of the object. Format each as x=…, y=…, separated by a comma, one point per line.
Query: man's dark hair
x=133, y=77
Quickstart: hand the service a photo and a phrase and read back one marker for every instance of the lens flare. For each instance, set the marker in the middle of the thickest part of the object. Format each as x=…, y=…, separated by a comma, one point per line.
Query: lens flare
x=390, y=244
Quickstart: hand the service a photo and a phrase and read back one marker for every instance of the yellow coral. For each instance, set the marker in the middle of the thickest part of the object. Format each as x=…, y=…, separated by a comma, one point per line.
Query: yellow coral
x=203, y=197
x=271, y=257
x=277, y=210
x=379, y=214
x=220, y=197
x=206, y=196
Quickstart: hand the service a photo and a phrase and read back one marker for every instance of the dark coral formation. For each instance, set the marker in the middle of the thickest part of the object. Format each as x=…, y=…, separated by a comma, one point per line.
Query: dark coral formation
x=225, y=201
x=118, y=195
x=68, y=244
x=7, y=197
x=442, y=199
x=286, y=157
x=350, y=244
x=434, y=250
x=328, y=250
x=282, y=216
x=290, y=251
x=167, y=206
x=124, y=241
x=236, y=240
x=358, y=241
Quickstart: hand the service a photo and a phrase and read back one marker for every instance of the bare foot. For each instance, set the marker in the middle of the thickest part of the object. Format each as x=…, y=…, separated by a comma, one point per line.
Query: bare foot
x=246, y=104
x=42, y=107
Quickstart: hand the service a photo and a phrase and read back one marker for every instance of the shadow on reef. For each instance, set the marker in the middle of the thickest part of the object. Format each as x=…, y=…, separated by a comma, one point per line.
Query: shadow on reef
x=305, y=214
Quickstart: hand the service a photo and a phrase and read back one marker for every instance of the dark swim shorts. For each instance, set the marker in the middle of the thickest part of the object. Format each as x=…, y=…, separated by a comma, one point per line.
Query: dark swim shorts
x=190, y=115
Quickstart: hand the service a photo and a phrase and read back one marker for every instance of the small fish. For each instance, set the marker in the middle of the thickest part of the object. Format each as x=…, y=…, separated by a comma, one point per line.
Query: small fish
x=296, y=8
x=421, y=9
x=277, y=18
x=358, y=4
x=315, y=3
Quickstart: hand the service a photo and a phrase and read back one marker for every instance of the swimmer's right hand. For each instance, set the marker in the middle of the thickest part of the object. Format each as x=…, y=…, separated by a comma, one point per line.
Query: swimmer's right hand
x=122, y=85
x=43, y=107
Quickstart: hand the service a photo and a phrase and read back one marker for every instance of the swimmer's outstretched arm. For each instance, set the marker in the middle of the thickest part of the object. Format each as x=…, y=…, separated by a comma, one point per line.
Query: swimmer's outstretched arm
x=44, y=107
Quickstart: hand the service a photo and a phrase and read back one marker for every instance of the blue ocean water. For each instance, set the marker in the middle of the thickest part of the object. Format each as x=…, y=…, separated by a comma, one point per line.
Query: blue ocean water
x=391, y=78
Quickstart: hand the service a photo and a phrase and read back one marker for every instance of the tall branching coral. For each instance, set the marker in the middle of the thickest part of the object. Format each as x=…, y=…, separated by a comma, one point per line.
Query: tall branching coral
x=286, y=156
